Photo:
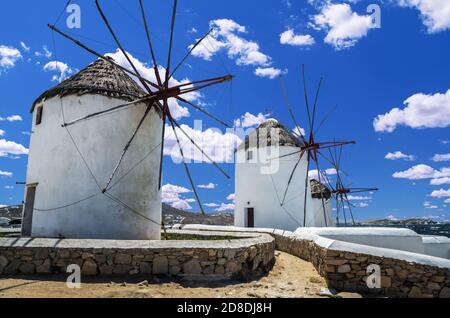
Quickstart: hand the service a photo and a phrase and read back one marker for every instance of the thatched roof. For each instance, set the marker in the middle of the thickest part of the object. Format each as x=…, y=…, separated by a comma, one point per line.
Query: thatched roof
x=262, y=136
x=100, y=77
x=319, y=190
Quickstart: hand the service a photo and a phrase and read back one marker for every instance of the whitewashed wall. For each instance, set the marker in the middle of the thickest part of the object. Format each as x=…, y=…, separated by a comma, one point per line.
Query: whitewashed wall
x=63, y=178
x=264, y=192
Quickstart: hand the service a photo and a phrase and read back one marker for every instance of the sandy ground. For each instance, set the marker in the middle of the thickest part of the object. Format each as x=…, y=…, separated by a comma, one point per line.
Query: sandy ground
x=291, y=277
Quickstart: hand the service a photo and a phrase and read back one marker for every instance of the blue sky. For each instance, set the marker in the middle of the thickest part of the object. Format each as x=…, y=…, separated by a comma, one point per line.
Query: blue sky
x=368, y=72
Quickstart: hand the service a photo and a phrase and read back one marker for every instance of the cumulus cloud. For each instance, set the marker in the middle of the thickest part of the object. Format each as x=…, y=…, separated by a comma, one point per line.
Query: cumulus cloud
x=441, y=157
x=358, y=198
x=11, y=148
x=429, y=205
x=250, y=120
x=231, y=197
x=2, y=132
x=25, y=47
x=8, y=57
x=435, y=14
x=208, y=186
x=228, y=35
x=5, y=174
x=397, y=155
x=62, y=69
x=11, y=118
x=44, y=53
x=422, y=171
x=343, y=26
x=178, y=111
x=269, y=72
x=420, y=111
x=225, y=207
x=288, y=37
x=440, y=193
x=440, y=181
x=211, y=205
x=447, y=201
x=172, y=195
x=219, y=146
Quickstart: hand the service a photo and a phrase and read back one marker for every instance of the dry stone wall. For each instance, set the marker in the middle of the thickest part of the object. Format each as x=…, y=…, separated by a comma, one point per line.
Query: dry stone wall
x=244, y=255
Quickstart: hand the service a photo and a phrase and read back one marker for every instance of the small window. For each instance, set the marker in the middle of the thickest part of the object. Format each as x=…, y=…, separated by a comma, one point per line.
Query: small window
x=39, y=115
x=249, y=155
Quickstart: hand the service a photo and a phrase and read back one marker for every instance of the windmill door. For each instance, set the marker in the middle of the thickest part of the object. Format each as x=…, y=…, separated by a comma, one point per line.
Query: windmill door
x=28, y=210
x=250, y=217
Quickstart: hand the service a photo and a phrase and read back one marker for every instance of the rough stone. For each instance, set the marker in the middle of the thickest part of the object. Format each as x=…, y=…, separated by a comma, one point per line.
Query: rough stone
x=385, y=282
x=12, y=267
x=121, y=269
x=89, y=268
x=160, y=265
x=344, y=268
x=445, y=293
x=415, y=292
x=145, y=267
x=3, y=263
x=336, y=262
x=45, y=267
x=192, y=268
x=27, y=268
x=106, y=270
x=175, y=270
x=122, y=259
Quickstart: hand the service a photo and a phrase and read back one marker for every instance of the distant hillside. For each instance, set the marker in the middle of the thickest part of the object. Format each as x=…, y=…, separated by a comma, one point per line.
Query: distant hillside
x=11, y=212
x=399, y=222
x=170, y=216
x=176, y=216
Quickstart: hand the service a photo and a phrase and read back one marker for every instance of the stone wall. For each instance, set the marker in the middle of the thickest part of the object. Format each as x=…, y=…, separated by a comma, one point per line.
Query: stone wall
x=246, y=254
x=347, y=270
x=344, y=265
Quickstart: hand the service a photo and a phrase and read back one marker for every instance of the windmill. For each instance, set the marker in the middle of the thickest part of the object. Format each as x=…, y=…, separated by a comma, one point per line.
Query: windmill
x=310, y=147
x=341, y=192
x=157, y=93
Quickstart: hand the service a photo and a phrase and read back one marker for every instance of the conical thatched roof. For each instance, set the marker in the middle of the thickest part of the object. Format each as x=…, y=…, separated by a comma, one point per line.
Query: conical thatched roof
x=262, y=136
x=100, y=77
x=319, y=190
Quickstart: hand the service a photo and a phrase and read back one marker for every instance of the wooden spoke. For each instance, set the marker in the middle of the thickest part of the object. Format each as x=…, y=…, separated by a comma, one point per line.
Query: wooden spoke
x=200, y=149
x=186, y=167
x=169, y=55
x=306, y=189
x=105, y=20
x=320, y=181
x=203, y=111
x=152, y=52
x=305, y=92
x=315, y=105
x=189, y=52
x=125, y=149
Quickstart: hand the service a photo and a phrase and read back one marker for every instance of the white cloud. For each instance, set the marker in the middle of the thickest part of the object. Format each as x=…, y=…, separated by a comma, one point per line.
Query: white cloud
x=44, y=53
x=5, y=174
x=288, y=37
x=208, y=186
x=299, y=131
x=2, y=132
x=325, y=174
x=392, y=217
x=434, y=13
x=440, y=181
x=11, y=118
x=25, y=47
x=441, y=157
x=8, y=57
x=362, y=204
x=9, y=187
x=447, y=201
x=211, y=205
x=10, y=147
x=429, y=205
x=399, y=155
x=225, y=207
x=250, y=120
x=231, y=197
x=148, y=73
x=421, y=111
x=227, y=35
x=358, y=198
x=219, y=146
x=422, y=171
x=172, y=194
x=269, y=72
x=343, y=26
x=440, y=193
x=63, y=70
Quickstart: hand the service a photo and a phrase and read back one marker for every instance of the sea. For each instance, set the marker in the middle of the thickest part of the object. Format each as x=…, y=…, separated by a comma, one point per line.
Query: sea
x=423, y=229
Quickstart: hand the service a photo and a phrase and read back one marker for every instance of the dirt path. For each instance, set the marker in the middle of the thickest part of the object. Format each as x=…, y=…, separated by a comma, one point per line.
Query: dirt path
x=290, y=277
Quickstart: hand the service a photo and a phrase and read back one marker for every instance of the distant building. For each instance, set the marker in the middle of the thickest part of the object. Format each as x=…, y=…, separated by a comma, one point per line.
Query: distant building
x=65, y=178
x=261, y=180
